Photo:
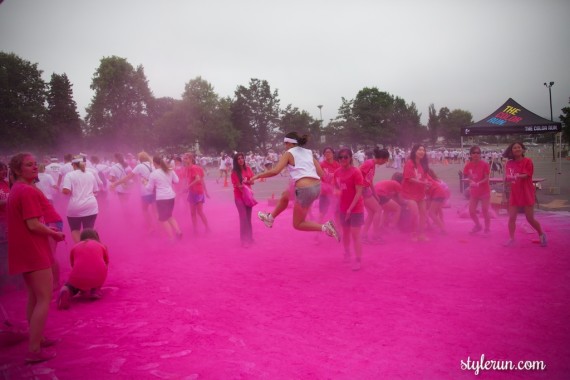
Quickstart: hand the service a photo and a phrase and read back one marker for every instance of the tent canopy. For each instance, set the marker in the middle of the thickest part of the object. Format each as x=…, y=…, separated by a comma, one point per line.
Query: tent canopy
x=511, y=118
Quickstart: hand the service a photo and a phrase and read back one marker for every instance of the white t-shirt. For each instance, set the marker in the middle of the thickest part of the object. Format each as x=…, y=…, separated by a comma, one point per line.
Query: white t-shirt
x=82, y=185
x=162, y=182
x=53, y=170
x=143, y=170
x=304, y=164
x=65, y=168
x=46, y=185
x=118, y=171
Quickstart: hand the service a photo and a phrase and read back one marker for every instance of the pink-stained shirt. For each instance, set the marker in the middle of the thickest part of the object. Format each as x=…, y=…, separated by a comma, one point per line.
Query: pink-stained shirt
x=27, y=251
x=368, y=169
x=245, y=175
x=389, y=188
x=346, y=181
x=192, y=172
x=477, y=171
x=522, y=189
x=327, y=182
x=89, y=262
x=410, y=189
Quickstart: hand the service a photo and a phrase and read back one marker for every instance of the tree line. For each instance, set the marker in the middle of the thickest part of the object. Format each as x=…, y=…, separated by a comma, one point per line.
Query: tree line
x=123, y=114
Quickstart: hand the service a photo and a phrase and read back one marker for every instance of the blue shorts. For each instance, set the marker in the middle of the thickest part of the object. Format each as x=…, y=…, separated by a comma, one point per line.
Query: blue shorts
x=354, y=220
x=148, y=199
x=195, y=198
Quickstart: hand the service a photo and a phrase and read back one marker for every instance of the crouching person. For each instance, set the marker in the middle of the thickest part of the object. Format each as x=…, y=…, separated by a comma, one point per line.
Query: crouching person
x=89, y=263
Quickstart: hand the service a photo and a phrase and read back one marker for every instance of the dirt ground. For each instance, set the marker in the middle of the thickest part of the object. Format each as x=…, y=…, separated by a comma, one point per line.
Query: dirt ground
x=289, y=308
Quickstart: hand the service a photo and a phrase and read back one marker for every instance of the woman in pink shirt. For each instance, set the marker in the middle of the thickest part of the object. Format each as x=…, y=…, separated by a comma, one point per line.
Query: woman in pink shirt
x=89, y=263
x=349, y=183
x=518, y=174
x=29, y=251
x=477, y=172
x=327, y=198
x=373, y=208
x=241, y=176
x=414, y=187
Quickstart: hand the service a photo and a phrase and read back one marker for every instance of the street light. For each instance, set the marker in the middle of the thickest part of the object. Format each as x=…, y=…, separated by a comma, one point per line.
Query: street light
x=321, y=112
x=549, y=86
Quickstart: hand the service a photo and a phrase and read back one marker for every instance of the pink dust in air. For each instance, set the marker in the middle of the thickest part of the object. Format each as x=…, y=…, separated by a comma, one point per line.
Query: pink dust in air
x=289, y=308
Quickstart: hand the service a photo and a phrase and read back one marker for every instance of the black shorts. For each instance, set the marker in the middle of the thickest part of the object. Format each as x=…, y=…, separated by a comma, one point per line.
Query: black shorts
x=164, y=209
x=382, y=199
x=77, y=223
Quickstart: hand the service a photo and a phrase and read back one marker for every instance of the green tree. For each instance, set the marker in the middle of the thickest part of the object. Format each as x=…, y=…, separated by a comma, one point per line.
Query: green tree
x=255, y=113
x=119, y=111
x=22, y=105
x=405, y=120
x=292, y=119
x=63, y=119
x=433, y=124
x=201, y=116
x=451, y=123
x=345, y=131
x=209, y=117
x=373, y=110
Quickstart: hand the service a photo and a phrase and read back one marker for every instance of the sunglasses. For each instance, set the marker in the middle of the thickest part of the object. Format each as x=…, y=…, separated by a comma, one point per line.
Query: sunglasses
x=476, y=153
x=343, y=157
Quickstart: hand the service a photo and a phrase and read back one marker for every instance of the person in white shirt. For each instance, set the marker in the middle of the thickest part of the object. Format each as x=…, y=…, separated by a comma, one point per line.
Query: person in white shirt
x=64, y=169
x=142, y=171
x=306, y=171
x=83, y=208
x=53, y=169
x=160, y=182
x=46, y=183
x=118, y=171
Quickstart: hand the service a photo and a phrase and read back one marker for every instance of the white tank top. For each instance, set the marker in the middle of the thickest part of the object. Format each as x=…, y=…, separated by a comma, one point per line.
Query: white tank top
x=304, y=165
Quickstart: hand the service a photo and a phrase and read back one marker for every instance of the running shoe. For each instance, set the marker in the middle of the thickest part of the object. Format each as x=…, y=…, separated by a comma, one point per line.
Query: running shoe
x=543, y=241
x=346, y=257
x=266, y=218
x=330, y=230
x=40, y=356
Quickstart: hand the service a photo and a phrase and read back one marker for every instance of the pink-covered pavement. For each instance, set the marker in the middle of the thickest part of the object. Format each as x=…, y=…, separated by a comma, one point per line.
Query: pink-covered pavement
x=289, y=308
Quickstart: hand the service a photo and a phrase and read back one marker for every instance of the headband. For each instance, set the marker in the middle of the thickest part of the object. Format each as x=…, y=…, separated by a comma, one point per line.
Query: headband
x=292, y=141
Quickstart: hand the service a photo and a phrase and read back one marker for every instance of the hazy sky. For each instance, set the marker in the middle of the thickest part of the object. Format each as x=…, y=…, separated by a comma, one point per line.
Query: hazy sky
x=467, y=54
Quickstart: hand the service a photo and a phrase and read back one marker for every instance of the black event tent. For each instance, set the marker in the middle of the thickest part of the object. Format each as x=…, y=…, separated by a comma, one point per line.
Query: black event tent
x=511, y=118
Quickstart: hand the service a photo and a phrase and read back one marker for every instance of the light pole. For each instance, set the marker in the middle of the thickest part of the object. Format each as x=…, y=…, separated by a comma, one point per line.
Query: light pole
x=549, y=86
x=321, y=113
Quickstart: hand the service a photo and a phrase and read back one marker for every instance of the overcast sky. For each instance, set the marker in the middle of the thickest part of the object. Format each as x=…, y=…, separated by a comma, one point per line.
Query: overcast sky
x=466, y=54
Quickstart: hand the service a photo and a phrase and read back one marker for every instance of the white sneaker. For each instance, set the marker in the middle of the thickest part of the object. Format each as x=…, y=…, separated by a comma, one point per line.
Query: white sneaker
x=330, y=230
x=266, y=218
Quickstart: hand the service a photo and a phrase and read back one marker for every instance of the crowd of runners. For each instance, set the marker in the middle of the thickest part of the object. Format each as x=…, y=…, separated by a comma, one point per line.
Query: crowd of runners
x=352, y=207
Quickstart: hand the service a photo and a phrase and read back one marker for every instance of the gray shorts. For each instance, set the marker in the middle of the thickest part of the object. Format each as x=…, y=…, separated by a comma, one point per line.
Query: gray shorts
x=305, y=196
